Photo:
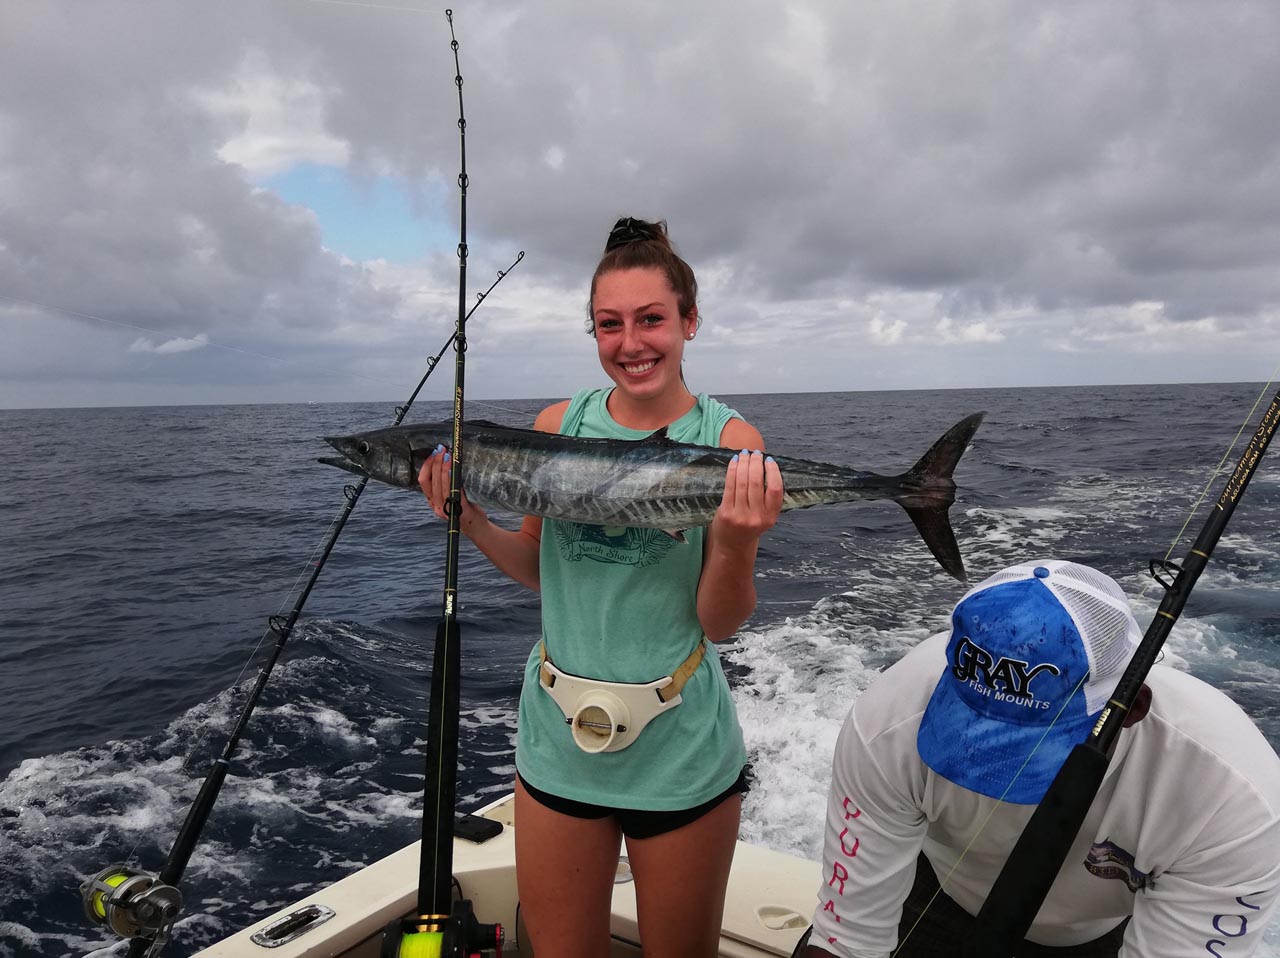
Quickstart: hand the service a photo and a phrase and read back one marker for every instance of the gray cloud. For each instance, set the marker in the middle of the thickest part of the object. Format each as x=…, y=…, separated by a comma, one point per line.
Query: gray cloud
x=972, y=180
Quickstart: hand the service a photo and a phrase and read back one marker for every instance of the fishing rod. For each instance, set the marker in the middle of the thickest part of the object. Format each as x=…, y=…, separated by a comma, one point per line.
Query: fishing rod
x=1032, y=866
x=144, y=907
x=440, y=927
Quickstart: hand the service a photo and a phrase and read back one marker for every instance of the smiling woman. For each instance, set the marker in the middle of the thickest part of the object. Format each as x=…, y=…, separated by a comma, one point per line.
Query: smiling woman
x=616, y=615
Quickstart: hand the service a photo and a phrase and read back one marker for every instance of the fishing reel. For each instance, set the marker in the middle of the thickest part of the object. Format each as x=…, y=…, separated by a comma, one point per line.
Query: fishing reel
x=131, y=903
x=458, y=935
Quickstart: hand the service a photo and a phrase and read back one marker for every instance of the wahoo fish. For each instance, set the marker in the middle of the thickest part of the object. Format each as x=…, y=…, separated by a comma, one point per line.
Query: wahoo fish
x=652, y=483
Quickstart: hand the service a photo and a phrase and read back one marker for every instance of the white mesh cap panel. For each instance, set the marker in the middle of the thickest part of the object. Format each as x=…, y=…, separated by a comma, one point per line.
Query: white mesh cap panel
x=1100, y=611
x=1105, y=622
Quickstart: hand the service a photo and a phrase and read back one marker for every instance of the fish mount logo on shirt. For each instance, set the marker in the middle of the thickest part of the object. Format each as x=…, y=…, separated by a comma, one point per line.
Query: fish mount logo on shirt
x=1106, y=859
x=1004, y=678
x=615, y=545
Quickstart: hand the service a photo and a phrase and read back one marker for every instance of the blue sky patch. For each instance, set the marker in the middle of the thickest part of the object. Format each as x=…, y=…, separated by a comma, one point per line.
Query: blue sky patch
x=368, y=217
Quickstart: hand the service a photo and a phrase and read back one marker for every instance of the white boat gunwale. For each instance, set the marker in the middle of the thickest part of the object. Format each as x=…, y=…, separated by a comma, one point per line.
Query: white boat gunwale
x=770, y=898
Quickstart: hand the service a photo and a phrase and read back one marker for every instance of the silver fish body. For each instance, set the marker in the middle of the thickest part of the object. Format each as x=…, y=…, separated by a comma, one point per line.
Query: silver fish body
x=651, y=483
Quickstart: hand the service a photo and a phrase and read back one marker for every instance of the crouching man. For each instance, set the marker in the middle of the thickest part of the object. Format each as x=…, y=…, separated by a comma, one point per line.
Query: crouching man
x=943, y=759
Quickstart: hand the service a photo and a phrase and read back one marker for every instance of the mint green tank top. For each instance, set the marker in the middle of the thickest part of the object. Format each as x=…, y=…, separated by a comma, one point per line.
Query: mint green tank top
x=620, y=604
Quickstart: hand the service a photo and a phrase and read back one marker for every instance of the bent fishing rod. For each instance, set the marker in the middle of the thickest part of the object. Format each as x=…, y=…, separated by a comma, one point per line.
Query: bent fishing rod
x=439, y=927
x=1032, y=866
x=144, y=907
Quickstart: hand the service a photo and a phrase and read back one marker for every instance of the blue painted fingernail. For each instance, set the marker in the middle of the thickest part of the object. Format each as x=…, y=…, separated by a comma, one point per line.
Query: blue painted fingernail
x=446, y=457
x=756, y=453
x=745, y=452
x=770, y=459
x=735, y=458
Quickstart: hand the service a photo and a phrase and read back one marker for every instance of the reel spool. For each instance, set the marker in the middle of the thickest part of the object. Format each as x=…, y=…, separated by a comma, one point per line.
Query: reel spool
x=131, y=903
x=457, y=935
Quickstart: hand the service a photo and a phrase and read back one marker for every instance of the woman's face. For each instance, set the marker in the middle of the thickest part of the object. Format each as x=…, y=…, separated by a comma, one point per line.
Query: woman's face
x=640, y=334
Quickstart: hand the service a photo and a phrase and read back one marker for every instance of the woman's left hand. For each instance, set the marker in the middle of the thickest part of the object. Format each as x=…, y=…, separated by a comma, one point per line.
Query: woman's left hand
x=751, y=503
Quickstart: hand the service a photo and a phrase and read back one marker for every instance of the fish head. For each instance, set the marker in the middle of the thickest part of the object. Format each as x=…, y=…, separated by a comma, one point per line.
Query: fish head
x=377, y=457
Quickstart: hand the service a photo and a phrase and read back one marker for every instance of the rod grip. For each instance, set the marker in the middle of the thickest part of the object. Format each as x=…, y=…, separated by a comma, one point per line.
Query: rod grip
x=1024, y=882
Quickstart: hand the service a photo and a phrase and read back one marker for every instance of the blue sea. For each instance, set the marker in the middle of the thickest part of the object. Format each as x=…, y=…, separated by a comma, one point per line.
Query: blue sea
x=145, y=549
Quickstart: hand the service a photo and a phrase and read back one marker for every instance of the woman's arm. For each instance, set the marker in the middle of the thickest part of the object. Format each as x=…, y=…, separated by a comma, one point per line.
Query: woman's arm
x=513, y=552
x=750, y=507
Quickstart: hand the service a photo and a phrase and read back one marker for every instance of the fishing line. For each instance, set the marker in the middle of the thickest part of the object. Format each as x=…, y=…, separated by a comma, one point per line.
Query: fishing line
x=1216, y=472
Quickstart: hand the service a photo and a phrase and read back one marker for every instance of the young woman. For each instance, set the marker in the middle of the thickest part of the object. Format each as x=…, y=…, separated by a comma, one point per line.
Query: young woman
x=630, y=606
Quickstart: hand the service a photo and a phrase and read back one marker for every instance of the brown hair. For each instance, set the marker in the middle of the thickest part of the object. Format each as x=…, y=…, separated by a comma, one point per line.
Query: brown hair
x=638, y=244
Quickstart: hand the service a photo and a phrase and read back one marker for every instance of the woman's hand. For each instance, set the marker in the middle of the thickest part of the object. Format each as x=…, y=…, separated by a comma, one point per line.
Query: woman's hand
x=434, y=478
x=751, y=503
x=748, y=509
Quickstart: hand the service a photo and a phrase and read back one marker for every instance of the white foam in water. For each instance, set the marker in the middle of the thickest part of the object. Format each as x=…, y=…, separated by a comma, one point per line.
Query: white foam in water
x=79, y=811
x=992, y=534
x=329, y=721
x=70, y=804
x=804, y=677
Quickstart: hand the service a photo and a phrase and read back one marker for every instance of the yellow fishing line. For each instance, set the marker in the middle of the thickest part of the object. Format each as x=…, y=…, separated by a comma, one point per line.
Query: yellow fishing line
x=99, y=898
x=421, y=944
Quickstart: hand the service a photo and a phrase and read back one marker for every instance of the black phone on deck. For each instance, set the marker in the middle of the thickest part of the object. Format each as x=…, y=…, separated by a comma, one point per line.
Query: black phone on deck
x=475, y=828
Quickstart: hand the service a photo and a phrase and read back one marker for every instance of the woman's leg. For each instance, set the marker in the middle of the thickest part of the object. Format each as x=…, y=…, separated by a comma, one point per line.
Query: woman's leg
x=680, y=879
x=564, y=874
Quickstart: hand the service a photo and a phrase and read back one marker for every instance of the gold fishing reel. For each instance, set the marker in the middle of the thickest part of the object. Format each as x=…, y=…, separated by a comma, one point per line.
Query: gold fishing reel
x=131, y=903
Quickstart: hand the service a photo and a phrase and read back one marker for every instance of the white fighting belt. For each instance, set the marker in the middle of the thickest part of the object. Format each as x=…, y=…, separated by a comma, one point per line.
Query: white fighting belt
x=608, y=716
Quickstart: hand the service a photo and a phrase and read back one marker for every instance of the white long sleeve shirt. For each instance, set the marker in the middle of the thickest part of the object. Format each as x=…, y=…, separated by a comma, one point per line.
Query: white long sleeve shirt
x=1184, y=834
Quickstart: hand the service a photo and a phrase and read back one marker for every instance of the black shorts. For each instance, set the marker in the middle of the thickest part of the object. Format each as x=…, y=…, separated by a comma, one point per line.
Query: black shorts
x=635, y=822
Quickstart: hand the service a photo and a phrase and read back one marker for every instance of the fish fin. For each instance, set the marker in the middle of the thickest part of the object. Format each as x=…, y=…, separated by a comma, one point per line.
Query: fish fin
x=713, y=457
x=659, y=436
x=943, y=455
x=935, y=528
x=677, y=534
x=932, y=491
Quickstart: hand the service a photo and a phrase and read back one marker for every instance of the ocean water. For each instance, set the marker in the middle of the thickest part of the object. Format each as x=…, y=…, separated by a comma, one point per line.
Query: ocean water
x=144, y=549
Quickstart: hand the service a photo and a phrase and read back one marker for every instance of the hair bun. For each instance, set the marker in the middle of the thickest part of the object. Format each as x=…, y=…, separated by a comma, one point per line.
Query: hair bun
x=631, y=230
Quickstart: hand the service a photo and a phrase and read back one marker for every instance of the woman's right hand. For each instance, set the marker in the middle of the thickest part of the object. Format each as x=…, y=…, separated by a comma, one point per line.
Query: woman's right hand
x=434, y=478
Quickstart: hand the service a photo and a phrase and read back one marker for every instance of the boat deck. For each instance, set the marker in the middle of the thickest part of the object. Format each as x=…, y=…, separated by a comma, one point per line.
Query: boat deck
x=770, y=898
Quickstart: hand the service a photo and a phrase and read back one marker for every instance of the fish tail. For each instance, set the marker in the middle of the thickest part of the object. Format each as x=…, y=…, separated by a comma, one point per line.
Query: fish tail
x=928, y=492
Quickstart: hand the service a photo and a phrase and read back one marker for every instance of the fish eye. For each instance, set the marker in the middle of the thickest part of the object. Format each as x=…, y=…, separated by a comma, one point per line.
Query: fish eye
x=363, y=447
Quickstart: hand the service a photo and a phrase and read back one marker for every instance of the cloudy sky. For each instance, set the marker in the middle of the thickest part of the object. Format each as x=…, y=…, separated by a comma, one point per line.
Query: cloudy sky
x=256, y=201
